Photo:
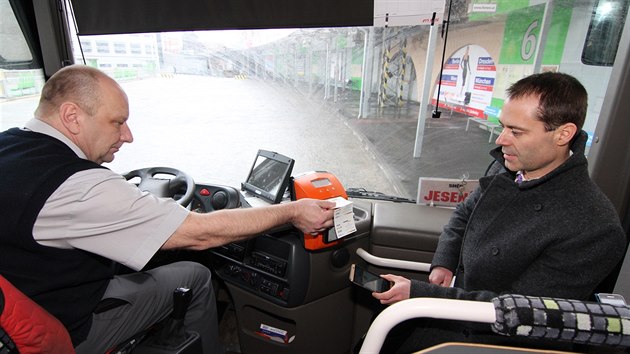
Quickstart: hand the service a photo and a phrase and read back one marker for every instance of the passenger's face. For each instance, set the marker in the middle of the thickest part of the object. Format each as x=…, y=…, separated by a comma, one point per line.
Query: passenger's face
x=526, y=145
x=106, y=131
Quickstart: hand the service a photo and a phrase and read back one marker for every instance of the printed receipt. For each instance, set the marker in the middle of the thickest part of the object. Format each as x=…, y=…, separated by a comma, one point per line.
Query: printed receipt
x=344, y=217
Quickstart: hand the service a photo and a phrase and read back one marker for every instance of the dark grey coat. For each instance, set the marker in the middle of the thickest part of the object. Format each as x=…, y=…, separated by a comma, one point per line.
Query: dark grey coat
x=557, y=236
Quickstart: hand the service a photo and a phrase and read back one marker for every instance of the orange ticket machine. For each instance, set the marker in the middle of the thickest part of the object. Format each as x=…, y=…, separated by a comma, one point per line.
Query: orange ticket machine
x=318, y=185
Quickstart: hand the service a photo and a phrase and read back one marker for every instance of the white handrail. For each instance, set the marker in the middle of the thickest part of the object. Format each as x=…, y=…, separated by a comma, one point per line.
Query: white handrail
x=393, y=263
x=450, y=309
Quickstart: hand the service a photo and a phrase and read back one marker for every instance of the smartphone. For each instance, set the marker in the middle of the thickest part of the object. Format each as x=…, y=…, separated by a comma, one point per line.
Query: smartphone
x=367, y=280
x=612, y=299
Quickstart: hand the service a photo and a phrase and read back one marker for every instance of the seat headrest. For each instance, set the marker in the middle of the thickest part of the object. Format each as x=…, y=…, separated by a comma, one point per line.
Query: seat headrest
x=562, y=319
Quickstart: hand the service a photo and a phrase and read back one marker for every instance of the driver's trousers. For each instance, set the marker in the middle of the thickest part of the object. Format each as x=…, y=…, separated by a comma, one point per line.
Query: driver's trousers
x=148, y=298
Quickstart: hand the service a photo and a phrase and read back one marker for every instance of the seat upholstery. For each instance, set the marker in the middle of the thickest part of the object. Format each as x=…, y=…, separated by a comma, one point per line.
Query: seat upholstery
x=592, y=324
x=31, y=328
x=575, y=321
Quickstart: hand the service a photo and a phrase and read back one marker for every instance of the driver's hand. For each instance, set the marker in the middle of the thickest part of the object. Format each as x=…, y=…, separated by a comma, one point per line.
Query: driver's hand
x=312, y=216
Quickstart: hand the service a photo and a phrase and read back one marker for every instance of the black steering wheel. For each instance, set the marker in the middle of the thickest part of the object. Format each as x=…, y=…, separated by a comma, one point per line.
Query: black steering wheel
x=164, y=187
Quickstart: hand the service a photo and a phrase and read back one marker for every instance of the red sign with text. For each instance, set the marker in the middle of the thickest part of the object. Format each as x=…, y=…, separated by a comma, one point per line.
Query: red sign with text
x=444, y=191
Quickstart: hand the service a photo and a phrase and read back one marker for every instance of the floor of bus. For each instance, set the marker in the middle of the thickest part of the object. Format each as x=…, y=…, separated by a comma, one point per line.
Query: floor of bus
x=228, y=325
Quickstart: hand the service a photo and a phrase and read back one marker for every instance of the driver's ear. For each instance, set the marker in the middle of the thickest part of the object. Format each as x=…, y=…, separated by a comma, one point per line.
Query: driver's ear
x=69, y=114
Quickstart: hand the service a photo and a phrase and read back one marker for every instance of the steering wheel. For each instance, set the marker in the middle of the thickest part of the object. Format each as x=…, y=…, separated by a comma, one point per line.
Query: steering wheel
x=163, y=187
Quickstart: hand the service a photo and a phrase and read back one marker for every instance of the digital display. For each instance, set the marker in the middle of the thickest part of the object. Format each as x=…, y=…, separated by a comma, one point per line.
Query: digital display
x=269, y=176
x=322, y=182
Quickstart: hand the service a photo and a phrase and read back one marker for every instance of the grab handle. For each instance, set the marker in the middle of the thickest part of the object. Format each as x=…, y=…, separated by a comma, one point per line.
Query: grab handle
x=393, y=263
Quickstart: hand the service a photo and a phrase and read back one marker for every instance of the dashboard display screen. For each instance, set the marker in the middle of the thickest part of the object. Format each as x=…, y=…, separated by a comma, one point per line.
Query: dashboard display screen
x=269, y=176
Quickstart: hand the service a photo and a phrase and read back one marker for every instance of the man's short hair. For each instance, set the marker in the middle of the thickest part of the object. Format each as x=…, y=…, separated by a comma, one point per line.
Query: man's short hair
x=76, y=83
x=562, y=98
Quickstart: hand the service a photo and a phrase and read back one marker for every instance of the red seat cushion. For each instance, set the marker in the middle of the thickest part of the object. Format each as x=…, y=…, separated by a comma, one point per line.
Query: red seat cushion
x=32, y=329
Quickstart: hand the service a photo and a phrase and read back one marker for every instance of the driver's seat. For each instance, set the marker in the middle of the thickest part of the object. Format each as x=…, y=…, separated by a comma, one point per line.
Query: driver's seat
x=26, y=327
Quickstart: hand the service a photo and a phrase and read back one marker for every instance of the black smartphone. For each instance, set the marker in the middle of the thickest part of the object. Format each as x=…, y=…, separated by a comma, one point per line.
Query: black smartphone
x=367, y=280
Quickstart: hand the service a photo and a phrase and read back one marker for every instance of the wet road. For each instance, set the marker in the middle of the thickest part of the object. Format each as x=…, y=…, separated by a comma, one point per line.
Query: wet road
x=212, y=128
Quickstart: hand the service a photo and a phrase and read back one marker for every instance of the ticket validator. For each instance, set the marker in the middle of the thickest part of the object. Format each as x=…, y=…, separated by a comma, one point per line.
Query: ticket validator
x=318, y=185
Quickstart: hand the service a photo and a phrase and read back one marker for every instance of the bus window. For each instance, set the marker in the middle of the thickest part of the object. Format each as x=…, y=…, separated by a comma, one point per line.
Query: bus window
x=604, y=32
x=14, y=51
x=20, y=76
x=343, y=99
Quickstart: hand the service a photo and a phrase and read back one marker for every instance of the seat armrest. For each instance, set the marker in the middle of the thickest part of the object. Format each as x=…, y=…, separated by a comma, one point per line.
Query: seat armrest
x=475, y=311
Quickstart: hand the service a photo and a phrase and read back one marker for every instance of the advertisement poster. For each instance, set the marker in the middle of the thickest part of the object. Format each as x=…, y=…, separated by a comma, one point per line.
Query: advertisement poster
x=468, y=81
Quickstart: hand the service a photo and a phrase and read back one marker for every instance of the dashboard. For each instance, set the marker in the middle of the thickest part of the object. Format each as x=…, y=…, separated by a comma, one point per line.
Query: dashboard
x=208, y=198
x=275, y=281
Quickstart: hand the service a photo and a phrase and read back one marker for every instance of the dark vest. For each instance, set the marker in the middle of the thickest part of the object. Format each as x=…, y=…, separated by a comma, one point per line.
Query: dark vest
x=68, y=283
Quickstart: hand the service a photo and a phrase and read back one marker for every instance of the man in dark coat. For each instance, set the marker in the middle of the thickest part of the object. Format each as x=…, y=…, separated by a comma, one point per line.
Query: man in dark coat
x=541, y=227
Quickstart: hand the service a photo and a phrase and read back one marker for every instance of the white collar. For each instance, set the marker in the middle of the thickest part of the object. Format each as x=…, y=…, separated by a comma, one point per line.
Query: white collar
x=42, y=127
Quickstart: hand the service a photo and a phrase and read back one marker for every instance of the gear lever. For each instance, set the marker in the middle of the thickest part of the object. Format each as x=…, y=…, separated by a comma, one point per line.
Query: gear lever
x=172, y=337
x=173, y=333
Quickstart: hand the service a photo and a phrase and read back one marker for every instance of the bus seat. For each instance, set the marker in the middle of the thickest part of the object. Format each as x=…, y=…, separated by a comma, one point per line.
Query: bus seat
x=25, y=327
x=581, y=322
x=622, y=280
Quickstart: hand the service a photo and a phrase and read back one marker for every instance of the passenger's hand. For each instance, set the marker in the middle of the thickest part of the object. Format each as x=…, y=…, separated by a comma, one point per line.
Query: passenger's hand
x=399, y=291
x=313, y=216
x=441, y=276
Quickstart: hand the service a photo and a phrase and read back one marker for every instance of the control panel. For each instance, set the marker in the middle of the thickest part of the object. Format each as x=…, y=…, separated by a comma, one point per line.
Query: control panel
x=261, y=265
x=211, y=197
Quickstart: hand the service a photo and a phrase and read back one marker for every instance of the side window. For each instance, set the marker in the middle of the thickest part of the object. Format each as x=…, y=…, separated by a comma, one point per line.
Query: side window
x=14, y=49
x=20, y=75
x=604, y=33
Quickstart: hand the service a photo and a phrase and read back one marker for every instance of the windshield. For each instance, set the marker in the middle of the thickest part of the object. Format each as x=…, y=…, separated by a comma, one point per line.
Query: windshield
x=361, y=103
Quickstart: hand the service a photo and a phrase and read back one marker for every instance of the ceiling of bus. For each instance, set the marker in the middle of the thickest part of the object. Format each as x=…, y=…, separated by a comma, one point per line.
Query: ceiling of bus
x=124, y=16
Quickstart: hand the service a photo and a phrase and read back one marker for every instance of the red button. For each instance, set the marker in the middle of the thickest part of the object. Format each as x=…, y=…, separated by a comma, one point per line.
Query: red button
x=204, y=192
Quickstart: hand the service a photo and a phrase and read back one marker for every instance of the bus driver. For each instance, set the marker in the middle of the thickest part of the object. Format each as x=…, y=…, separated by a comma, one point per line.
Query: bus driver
x=68, y=223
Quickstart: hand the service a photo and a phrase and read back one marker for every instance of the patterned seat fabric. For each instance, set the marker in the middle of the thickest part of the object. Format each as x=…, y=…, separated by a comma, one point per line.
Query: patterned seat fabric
x=562, y=319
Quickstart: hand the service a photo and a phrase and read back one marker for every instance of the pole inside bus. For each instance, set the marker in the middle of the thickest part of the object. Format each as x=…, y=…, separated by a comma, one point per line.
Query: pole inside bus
x=436, y=112
x=426, y=90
